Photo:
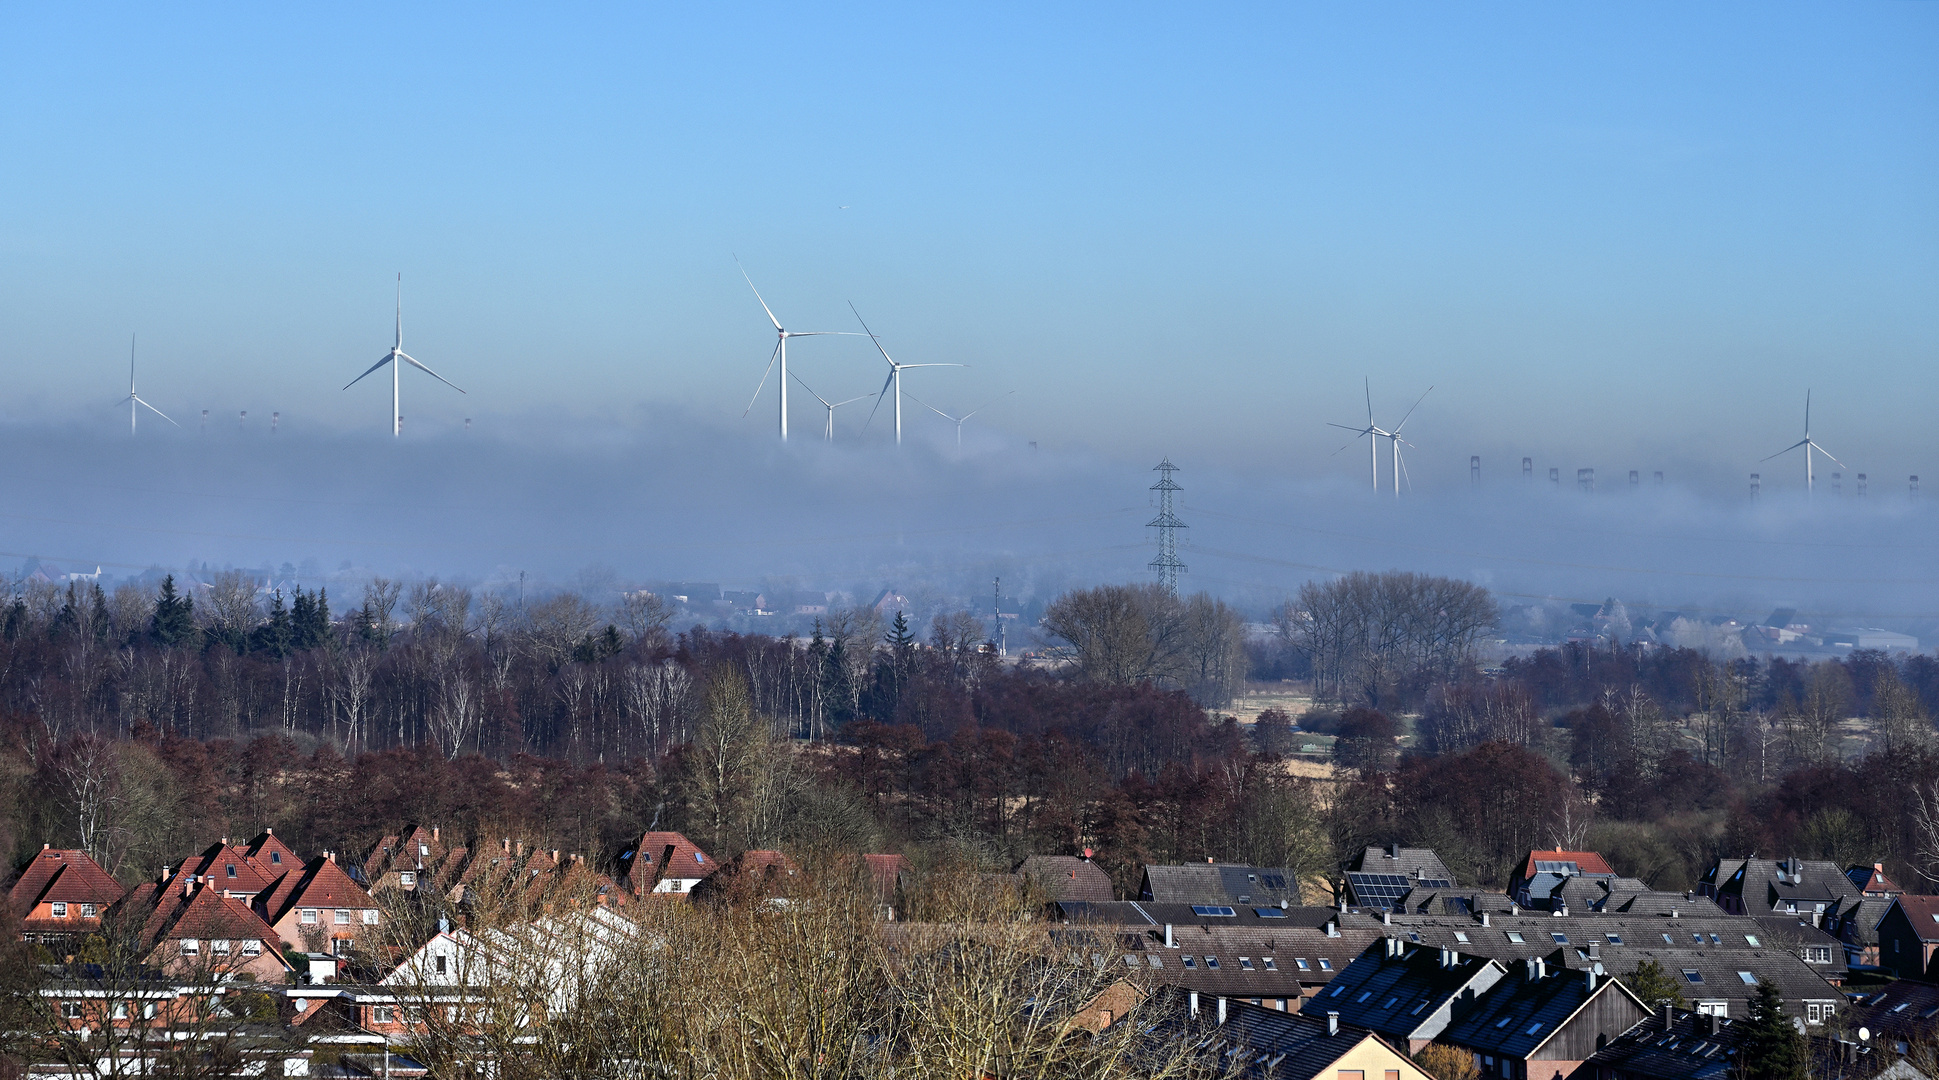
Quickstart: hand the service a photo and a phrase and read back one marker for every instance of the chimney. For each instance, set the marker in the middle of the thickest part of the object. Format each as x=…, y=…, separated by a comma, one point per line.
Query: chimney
x=331, y=855
x=1208, y=860
x=434, y=834
x=518, y=849
x=1332, y=929
x=1674, y=914
x=1484, y=918
x=1590, y=976
x=1168, y=938
x=1514, y=909
x=1669, y=1015
x=507, y=843
x=1386, y=918
x=1537, y=970
x=1332, y=1023
x=1343, y=907
x=269, y=830
x=225, y=841
x=1447, y=958
x=1712, y=1024
x=1595, y=950
x=1393, y=850
x=44, y=845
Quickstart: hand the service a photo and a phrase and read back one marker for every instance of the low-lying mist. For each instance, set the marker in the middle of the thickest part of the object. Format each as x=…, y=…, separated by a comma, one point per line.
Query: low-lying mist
x=670, y=497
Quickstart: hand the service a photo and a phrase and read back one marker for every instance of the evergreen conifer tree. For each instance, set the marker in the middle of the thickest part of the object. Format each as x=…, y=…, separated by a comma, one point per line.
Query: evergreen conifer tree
x=277, y=636
x=68, y=619
x=1773, y=1048
x=174, y=621
x=98, y=613
x=1655, y=986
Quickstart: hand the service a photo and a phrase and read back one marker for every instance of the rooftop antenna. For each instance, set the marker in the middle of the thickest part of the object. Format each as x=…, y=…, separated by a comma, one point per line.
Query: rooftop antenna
x=1808, y=445
x=828, y=432
x=392, y=358
x=134, y=400
x=1167, y=523
x=895, y=377
x=780, y=351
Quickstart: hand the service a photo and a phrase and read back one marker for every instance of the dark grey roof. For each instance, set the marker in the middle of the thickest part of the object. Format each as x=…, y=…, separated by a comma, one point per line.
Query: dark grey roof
x=1226, y=961
x=1406, y=861
x=1067, y=877
x=1720, y=970
x=1220, y=883
x=1524, y=1011
x=1687, y=1047
x=1767, y=885
x=1150, y=913
x=1857, y=921
x=1270, y=1044
x=1902, y=1011
x=1404, y=991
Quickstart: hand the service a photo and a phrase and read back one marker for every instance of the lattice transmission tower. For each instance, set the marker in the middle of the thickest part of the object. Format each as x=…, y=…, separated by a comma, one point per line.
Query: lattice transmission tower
x=1167, y=524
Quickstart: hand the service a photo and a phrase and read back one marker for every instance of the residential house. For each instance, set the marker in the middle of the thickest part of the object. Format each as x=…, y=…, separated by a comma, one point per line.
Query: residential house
x=1670, y=1044
x=1542, y=1022
x=1544, y=872
x=270, y=852
x=1408, y=994
x=663, y=862
x=226, y=866
x=891, y=876
x=1908, y=934
x=1792, y=886
x=1899, y=1016
x=317, y=908
x=194, y=927
x=1270, y=961
x=767, y=875
x=402, y=862
x=1218, y=884
x=60, y=895
x=1059, y=878
x=1855, y=925
x=1386, y=878
x=1871, y=881
x=1267, y=1044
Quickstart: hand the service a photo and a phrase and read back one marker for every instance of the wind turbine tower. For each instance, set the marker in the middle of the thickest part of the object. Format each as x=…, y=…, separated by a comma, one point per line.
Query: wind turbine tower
x=781, y=337
x=895, y=376
x=134, y=400
x=1809, y=446
x=396, y=358
x=1378, y=433
x=1166, y=564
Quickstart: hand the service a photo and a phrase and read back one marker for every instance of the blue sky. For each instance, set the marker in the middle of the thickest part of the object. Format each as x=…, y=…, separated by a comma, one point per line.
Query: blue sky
x=1617, y=236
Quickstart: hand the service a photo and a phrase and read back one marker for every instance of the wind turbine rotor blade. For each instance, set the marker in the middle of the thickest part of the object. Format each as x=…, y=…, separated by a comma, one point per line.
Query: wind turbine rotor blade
x=1348, y=446
x=1410, y=412
x=1786, y=450
x=1356, y=430
x=987, y=404
x=1807, y=413
x=926, y=405
x=763, y=383
x=1367, y=384
x=1402, y=458
x=822, y=333
x=930, y=365
x=757, y=298
x=433, y=374
x=811, y=390
x=156, y=411
x=879, y=394
x=872, y=337
x=1827, y=453
x=851, y=401
x=367, y=371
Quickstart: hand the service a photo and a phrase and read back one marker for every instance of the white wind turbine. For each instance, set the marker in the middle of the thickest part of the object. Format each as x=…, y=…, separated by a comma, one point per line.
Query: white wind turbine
x=1378, y=433
x=392, y=357
x=133, y=399
x=781, y=351
x=1808, y=445
x=831, y=406
x=958, y=420
x=895, y=376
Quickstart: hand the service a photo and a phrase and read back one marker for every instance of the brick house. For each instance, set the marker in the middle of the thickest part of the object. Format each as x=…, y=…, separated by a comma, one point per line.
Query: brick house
x=317, y=908
x=196, y=928
x=60, y=895
x=664, y=862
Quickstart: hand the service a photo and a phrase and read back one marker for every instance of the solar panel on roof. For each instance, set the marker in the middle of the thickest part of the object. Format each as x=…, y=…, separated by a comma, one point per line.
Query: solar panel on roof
x=1436, y=883
x=1378, y=890
x=1213, y=909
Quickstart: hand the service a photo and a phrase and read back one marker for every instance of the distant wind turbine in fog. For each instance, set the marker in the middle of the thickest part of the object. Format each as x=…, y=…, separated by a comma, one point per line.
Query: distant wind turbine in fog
x=958, y=420
x=1808, y=445
x=1378, y=433
x=895, y=377
x=781, y=352
x=133, y=399
x=392, y=357
x=831, y=406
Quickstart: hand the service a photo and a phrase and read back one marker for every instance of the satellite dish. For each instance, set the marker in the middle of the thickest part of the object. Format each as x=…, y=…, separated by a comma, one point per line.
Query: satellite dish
x=1598, y=969
x=1864, y=1034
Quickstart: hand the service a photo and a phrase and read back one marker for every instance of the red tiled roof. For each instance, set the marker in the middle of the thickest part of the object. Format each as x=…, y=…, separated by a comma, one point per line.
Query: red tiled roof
x=266, y=844
x=1923, y=913
x=1587, y=861
x=64, y=874
x=213, y=915
x=216, y=863
x=1067, y=877
x=321, y=884
x=886, y=871
x=661, y=855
